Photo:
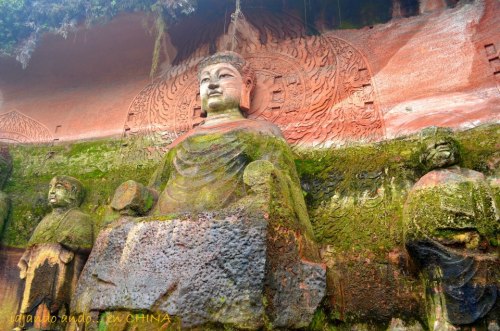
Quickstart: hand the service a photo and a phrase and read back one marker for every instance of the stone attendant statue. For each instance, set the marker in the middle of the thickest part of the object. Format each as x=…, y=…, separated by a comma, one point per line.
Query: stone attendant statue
x=55, y=256
x=228, y=232
x=5, y=169
x=451, y=219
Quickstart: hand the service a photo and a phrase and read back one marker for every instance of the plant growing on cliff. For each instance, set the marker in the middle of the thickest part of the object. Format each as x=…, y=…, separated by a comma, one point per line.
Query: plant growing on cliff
x=22, y=22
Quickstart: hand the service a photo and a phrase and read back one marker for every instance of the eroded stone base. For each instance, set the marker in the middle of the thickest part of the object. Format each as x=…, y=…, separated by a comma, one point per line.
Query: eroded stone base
x=206, y=270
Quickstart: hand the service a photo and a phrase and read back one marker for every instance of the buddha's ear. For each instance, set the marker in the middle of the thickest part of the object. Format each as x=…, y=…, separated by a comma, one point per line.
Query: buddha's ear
x=245, y=94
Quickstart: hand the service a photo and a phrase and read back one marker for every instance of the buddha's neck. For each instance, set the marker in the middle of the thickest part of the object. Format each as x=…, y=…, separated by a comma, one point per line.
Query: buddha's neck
x=227, y=115
x=59, y=211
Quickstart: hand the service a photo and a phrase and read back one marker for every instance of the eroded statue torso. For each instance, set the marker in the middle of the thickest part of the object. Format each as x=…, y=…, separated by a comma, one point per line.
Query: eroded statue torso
x=204, y=169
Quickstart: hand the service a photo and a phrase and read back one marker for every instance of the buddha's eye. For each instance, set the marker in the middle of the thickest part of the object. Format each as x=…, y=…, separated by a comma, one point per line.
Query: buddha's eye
x=225, y=75
x=204, y=80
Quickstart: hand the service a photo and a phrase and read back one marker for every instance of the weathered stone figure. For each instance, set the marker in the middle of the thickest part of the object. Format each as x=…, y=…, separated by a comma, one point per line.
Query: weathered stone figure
x=450, y=216
x=5, y=169
x=55, y=255
x=230, y=229
x=204, y=169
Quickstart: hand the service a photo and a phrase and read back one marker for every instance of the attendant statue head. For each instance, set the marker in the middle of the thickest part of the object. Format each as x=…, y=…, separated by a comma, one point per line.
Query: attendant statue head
x=226, y=83
x=65, y=192
x=5, y=165
x=441, y=150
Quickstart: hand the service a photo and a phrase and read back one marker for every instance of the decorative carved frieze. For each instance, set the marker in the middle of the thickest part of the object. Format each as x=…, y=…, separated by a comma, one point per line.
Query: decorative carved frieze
x=317, y=89
x=16, y=127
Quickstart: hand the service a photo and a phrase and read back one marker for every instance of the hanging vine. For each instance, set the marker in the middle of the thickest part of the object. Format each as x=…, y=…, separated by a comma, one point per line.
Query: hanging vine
x=236, y=19
x=160, y=28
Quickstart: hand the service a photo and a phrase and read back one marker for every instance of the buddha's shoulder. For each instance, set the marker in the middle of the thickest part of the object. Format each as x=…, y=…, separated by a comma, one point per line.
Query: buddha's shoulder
x=244, y=126
x=247, y=124
x=448, y=177
x=262, y=127
x=79, y=216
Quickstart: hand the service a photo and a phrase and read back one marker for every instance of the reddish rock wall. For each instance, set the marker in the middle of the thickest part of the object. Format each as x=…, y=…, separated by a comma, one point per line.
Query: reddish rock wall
x=439, y=68
x=79, y=87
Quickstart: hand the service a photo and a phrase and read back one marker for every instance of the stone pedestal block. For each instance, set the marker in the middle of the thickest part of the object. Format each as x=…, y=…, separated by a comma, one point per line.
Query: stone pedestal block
x=212, y=269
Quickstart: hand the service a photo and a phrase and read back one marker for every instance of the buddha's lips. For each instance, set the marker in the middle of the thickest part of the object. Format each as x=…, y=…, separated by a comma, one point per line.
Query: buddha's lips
x=443, y=148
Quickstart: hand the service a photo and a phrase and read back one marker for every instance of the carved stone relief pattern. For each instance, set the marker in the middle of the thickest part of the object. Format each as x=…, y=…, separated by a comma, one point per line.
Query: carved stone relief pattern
x=17, y=127
x=493, y=56
x=317, y=89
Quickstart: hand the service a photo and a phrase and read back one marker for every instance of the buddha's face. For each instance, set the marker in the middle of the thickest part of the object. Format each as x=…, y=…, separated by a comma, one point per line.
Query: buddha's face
x=221, y=87
x=440, y=153
x=59, y=194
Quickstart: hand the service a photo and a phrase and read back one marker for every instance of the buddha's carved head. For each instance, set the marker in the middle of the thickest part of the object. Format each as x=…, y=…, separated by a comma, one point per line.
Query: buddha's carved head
x=65, y=192
x=5, y=165
x=226, y=81
x=441, y=150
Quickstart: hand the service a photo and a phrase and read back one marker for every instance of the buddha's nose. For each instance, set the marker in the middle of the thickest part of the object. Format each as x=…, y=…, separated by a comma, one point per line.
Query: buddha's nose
x=213, y=85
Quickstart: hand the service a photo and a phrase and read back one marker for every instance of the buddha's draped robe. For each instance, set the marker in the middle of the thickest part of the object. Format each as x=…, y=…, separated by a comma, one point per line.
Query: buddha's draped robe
x=55, y=257
x=204, y=169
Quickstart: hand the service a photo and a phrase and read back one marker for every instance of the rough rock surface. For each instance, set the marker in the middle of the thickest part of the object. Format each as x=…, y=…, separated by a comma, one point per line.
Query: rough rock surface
x=438, y=68
x=210, y=269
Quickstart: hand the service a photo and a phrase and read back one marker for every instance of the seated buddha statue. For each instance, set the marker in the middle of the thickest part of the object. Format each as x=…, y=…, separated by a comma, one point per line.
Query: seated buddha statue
x=204, y=169
x=222, y=225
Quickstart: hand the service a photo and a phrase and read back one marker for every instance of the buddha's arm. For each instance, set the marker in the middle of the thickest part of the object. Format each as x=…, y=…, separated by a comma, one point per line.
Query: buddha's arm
x=279, y=195
x=77, y=234
x=274, y=171
x=277, y=151
x=161, y=175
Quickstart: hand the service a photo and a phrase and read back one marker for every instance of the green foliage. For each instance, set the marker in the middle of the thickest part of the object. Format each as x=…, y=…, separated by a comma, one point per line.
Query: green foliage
x=160, y=34
x=319, y=321
x=23, y=21
x=12, y=28
x=368, y=185
x=343, y=14
x=100, y=165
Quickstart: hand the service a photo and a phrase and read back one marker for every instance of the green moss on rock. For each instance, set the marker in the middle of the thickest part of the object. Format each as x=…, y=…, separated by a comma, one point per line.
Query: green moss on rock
x=453, y=207
x=355, y=195
x=100, y=165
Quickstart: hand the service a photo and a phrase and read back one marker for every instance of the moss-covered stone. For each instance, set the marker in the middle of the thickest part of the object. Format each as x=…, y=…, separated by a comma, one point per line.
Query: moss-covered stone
x=100, y=165
x=447, y=201
x=354, y=196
